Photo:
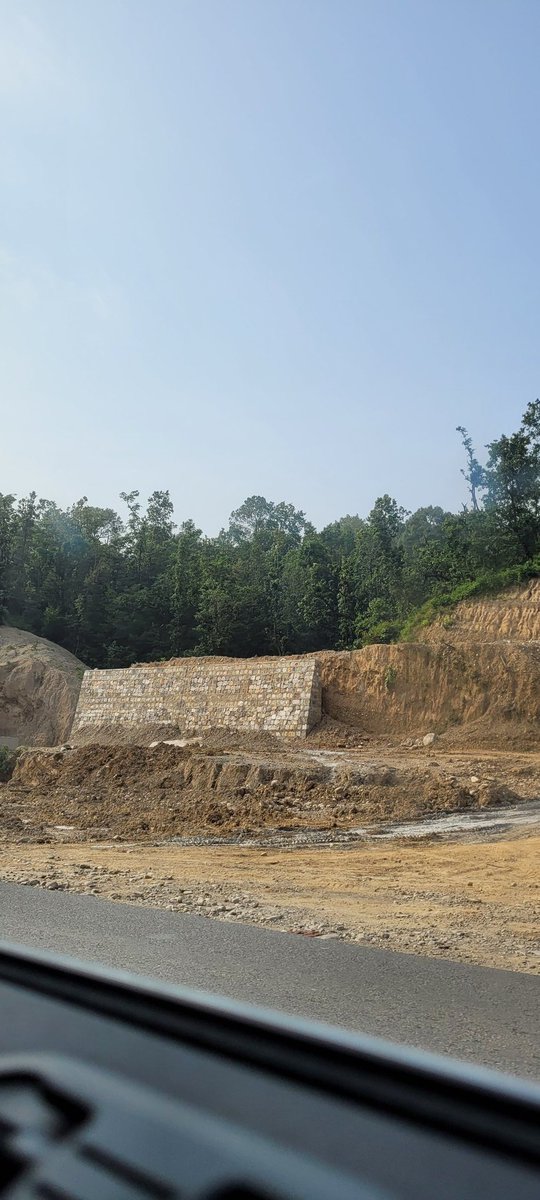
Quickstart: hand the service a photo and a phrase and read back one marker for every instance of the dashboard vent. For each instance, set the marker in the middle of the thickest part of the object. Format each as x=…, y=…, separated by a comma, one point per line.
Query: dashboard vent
x=71, y=1132
x=33, y=1119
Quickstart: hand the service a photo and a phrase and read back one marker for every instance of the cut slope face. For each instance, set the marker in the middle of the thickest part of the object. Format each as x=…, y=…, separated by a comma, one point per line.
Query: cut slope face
x=482, y=694
x=474, y=677
x=39, y=688
x=514, y=615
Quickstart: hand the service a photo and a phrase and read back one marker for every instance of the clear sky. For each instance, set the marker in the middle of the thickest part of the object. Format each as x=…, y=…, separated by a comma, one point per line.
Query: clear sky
x=265, y=246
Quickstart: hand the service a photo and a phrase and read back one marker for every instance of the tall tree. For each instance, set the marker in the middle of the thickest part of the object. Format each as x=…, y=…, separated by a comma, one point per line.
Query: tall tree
x=186, y=588
x=473, y=473
x=7, y=537
x=513, y=482
x=258, y=515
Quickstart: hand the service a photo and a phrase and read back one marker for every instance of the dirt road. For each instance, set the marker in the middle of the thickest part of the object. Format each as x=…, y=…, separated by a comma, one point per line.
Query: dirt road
x=476, y=902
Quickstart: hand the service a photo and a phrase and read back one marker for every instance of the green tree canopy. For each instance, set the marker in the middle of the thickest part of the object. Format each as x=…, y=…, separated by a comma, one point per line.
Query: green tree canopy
x=118, y=589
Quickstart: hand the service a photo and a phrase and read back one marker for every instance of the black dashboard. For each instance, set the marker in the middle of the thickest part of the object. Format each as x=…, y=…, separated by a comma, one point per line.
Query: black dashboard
x=113, y=1086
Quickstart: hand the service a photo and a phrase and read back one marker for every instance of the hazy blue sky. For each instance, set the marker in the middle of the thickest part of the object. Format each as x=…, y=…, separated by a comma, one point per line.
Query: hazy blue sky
x=271, y=246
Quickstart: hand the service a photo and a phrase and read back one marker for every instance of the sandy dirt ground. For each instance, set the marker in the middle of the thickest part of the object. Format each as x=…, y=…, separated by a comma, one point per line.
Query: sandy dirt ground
x=476, y=902
x=121, y=822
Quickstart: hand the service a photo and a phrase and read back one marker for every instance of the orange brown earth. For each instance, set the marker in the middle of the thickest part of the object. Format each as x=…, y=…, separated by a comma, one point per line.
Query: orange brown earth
x=448, y=724
x=477, y=903
x=165, y=791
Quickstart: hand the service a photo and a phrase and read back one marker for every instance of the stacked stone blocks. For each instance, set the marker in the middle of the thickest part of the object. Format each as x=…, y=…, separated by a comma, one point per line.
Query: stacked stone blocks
x=281, y=696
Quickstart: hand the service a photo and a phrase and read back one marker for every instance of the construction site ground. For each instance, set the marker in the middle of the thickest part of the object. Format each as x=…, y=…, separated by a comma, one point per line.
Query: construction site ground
x=409, y=847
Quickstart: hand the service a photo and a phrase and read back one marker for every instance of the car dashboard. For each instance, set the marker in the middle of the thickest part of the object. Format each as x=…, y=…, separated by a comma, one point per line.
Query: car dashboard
x=114, y=1086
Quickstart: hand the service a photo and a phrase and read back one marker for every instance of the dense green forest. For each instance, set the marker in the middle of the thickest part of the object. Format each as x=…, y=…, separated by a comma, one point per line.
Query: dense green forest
x=119, y=590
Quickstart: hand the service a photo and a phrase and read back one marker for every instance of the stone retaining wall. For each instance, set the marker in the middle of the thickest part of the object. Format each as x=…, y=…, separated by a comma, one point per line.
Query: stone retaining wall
x=281, y=696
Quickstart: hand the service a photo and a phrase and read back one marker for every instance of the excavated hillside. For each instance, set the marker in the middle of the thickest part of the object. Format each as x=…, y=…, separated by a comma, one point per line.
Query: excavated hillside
x=513, y=615
x=473, y=679
x=39, y=688
x=485, y=694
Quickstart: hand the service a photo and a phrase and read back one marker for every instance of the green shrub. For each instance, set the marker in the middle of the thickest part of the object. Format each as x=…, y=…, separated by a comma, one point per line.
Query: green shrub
x=488, y=583
x=7, y=763
x=390, y=676
x=378, y=633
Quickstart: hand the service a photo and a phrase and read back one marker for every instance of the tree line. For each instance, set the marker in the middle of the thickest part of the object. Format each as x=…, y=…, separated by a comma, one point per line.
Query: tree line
x=116, y=590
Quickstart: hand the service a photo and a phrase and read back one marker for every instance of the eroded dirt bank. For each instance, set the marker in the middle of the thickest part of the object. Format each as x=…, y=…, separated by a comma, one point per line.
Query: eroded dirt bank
x=39, y=688
x=481, y=694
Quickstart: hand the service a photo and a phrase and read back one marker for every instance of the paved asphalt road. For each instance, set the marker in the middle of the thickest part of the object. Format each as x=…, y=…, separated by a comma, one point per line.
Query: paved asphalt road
x=489, y=1016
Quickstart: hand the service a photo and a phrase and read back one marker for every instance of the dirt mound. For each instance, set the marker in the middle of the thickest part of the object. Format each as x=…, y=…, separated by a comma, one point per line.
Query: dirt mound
x=39, y=688
x=513, y=615
x=331, y=733
x=215, y=740
x=113, y=733
x=141, y=792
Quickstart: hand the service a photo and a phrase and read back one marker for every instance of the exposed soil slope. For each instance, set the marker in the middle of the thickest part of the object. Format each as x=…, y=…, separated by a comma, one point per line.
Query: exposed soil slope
x=513, y=615
x=472, y=677
x=482, y=694
x=39, y=687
